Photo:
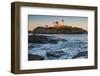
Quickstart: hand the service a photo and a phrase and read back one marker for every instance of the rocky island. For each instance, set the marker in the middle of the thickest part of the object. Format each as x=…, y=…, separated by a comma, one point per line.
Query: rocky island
x=59, y=30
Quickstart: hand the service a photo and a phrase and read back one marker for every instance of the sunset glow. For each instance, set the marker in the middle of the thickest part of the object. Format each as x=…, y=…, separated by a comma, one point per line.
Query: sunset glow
x=55, y=21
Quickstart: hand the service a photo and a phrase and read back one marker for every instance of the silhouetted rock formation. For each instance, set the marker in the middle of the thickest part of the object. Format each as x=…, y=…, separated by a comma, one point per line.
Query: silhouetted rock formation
x=59, y=30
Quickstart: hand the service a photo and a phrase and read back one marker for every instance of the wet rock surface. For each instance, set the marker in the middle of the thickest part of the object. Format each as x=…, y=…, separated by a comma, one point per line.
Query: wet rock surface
x=55, y=53
x=80, y=54
x=43, y=39
x=35, y=57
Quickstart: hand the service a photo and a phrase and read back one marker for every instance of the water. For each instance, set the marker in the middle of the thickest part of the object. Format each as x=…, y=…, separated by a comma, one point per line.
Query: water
x=70, y=44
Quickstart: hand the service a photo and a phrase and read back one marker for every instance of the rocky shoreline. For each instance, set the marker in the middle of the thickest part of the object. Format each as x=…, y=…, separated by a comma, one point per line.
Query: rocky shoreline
x=52, y=54
x=56, y=54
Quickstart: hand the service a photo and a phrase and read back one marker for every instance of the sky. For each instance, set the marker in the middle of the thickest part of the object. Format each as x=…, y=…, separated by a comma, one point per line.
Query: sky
x=43, y=20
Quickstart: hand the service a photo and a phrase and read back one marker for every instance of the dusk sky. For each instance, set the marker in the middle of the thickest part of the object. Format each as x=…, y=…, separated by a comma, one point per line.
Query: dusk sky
x=42, y=20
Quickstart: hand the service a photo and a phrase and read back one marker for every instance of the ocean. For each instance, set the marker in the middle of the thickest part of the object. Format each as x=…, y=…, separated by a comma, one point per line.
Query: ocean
x=67, y=46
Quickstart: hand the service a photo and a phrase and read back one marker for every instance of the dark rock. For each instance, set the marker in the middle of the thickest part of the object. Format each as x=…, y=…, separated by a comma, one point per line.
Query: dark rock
x=55, y=53
x=52, y=41
x=37, y=39
x=80, y=54
x=59, y=30
x=41, y=39
x=35, y=57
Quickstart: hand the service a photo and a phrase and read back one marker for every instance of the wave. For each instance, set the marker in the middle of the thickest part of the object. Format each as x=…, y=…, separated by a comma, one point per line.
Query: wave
x=71, y=45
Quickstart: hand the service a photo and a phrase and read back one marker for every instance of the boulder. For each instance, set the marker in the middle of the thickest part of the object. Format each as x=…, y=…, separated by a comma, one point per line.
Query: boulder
x=81, y=54
x=35, y=57
x=37, y=39
x=41, y=39
x=55, y=53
